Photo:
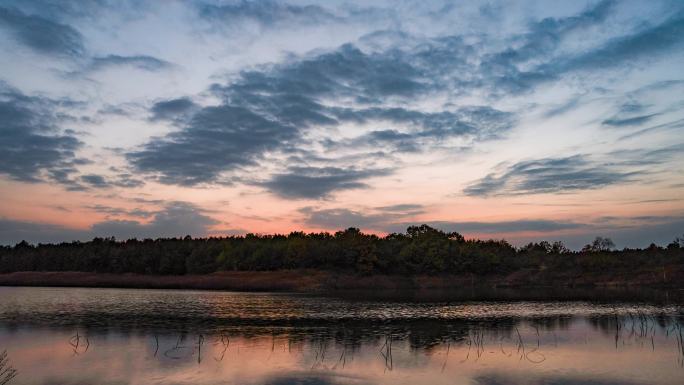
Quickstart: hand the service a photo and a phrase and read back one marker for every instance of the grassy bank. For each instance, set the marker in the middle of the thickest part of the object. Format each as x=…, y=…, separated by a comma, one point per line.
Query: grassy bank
x=322, y=281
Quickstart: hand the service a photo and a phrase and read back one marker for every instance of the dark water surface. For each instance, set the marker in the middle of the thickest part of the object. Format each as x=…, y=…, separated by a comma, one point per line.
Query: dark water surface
x=116, y=336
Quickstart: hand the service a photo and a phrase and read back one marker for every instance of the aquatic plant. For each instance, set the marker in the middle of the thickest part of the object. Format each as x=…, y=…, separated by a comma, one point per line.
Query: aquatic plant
x=7, y=372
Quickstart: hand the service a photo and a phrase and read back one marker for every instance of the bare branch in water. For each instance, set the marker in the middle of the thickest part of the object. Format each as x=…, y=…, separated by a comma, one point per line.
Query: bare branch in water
x=7, y=372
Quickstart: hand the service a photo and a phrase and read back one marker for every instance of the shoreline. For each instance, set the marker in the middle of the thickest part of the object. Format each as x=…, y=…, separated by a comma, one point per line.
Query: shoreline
x=318, y=281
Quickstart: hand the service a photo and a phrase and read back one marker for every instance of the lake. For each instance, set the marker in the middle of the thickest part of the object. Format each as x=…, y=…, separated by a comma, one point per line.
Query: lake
x=121, y=336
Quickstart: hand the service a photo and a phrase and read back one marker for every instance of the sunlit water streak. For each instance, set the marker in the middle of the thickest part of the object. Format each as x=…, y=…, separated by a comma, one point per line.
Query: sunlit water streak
x=110, y=336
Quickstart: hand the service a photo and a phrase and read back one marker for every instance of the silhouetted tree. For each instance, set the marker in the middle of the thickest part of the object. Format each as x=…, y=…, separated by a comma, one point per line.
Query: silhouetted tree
x=421, y=250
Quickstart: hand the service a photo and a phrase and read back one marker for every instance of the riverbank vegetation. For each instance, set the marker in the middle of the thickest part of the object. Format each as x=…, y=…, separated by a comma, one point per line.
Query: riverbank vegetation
x=421, y=250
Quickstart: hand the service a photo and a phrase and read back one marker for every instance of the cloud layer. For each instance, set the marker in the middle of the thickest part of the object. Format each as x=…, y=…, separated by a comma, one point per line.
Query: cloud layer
x=32, y=146
x=176, y=219
x=282, y=115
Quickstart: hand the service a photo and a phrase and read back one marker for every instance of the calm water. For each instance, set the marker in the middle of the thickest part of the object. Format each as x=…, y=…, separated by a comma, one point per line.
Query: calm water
x=110, y=336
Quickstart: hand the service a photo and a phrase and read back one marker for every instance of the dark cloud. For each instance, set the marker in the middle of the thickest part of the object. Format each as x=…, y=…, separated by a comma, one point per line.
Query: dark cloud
x=480, y=121
x=31, y=143
x=316, y=183
x=64, y=176
x=267, y=13
x=422, y=130
x=126, y=181
x=120, y=180
x=94, y=180
x=401, y=141
x=142, y=62
x=179, y=219
x=579, y=172
x=345, y=72
x=270, y=110
x=337, y=219
x=630, y=232
x=522, y=225
x=673, y=125
x=503, y=72
x=71, y=9
x=625, y=231
x=117, y=211
x=545, y=35
x=215, y=140
x=393, y=219
x=550, y=175
x=176, y=219
x=631, y=121
x=645, y=43
x=12, y=232
x=647, y=156
x=401, y=208
x=174, y=109
x=531, y=59
x=41, y=34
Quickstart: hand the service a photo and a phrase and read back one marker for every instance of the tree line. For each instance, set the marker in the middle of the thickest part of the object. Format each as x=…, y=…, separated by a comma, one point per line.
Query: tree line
x=421, y=250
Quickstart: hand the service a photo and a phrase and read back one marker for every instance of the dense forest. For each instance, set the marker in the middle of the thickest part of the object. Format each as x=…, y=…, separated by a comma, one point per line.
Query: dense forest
x=421, y=250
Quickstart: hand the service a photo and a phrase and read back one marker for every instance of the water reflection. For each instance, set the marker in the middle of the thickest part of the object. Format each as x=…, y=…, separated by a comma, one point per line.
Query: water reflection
x=7, y=372
x=227, y=338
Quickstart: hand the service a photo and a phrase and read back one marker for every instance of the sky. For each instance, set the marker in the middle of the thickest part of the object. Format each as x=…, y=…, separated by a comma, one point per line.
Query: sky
x=523, y=120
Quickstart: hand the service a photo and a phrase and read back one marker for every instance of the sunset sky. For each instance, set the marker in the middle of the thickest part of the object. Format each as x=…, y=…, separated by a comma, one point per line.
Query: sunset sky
x=525, y=120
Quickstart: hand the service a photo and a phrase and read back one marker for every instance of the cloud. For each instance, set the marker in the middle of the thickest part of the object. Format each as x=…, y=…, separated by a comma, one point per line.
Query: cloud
x=509, y=70
x=383, y=218
x=478, y=121
x=515, y=226
x=393, y=219
x=625, y=231
x=316, y=183
x=31, y=144
x=630, y=232
x=173, y=109
x=425, y=130
x=401, y=141
x=574, y=173
x=94, y=180
x=12, y=232
x=403, y=207
x=338, y=219
x=543, y=37
x=644, y=43
x=673, y=125
x=632, y=121
x=344, y=72
x=73, y=9
x=272, y=109
x=266, y=13
x=120, y=180
x=141, y=62
x=179, y=219
x=534, y=59
x=549, y=175
x=126, y=181
x=215, y=140
x=176, y=219
x=41, y=34
x=117, y=211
